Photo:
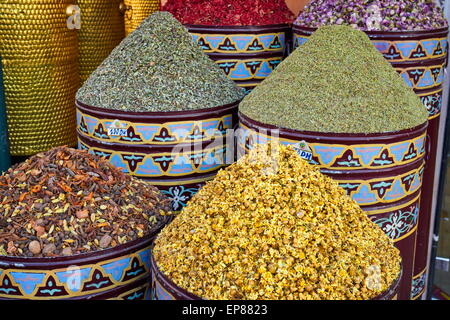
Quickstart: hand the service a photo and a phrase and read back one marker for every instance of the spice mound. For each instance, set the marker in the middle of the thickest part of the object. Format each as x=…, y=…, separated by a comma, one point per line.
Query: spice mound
x=230, y=12
x=336, y=82
x=376, y=15
x=65, y=202
x=158, y=67
x=271, y=226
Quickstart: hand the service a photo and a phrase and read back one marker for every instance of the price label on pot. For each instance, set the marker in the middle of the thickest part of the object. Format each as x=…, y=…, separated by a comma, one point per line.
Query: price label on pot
x=117, y=129
x=303, y=150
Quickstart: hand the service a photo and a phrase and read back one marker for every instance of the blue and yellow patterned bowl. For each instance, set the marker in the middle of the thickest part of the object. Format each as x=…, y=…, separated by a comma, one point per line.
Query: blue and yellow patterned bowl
x=176, y=151
x=164, y=289
x=122, y=272
x=247, y=54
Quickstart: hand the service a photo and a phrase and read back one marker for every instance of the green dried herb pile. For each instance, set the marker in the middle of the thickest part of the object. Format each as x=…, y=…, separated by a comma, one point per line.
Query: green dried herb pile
x=158, y=67
x=336, y=82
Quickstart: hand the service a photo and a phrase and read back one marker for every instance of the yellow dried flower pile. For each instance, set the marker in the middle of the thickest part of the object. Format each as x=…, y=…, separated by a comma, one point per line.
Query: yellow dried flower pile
x=273, y=227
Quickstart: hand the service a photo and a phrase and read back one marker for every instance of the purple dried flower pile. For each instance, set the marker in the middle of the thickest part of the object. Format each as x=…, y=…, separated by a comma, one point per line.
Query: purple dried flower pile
x=374, y=15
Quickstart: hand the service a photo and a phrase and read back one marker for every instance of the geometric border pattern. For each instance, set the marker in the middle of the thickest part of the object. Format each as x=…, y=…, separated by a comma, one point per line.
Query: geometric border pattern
x=350, y=157
x=85, y=280
x=365, y=192
x=241, y=43
x=242, y=69
x=384, y=190
x=423, y=77
x=153, y=133
x=399, y=51
x=166, y=164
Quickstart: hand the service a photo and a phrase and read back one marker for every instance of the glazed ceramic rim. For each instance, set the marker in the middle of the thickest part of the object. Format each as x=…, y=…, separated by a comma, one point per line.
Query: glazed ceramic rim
x=163, y=115
x=388, y=293
x=399, y=34
x=341, y=137
x=237, y=29
x=45, y=263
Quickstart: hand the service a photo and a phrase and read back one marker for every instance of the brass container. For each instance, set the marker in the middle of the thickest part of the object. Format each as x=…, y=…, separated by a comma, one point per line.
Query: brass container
x=102, y=29
x=41, y=74
x=136, y=11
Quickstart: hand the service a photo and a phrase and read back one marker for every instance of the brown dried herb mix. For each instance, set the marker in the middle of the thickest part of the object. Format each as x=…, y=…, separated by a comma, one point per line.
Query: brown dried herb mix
x=65, y=202
x=336, y=82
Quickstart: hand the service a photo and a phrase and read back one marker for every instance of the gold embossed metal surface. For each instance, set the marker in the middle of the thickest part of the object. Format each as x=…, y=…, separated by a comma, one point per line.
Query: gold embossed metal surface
x=138, y=10
x=41, y=74
x=102, y=29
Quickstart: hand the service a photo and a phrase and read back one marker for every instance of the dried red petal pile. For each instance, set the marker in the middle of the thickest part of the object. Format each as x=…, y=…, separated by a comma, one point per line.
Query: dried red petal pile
x=65, y=202
x=230, y=12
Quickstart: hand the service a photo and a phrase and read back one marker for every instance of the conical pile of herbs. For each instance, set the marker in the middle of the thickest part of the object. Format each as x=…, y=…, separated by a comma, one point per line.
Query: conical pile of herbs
x=336, y=82
x=158, y=67
x=271, y=226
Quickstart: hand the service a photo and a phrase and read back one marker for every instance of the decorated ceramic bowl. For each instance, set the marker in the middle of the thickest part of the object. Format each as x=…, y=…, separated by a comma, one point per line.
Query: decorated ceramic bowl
x=247, y=54
x=420, y=57
x=164, y=289
x=122, y=272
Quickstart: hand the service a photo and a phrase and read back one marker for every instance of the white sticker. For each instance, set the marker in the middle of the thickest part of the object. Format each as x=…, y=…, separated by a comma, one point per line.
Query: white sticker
x=303, y=150
x=117, y=129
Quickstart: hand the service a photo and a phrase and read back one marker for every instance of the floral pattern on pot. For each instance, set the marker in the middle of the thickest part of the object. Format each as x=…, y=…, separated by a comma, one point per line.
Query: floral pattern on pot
x=180, y=191
x=180, y=195
x=418, y=285
x=398, y=223
x=433, y=102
